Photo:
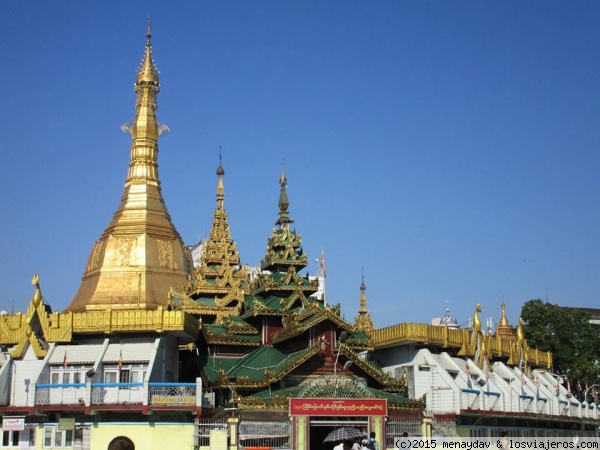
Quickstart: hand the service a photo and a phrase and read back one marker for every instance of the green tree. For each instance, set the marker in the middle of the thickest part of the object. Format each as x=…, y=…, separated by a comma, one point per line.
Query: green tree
x=568, y=334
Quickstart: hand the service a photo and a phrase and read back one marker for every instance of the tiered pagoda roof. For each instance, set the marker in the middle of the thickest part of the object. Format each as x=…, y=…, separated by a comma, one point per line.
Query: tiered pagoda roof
x=217, y=287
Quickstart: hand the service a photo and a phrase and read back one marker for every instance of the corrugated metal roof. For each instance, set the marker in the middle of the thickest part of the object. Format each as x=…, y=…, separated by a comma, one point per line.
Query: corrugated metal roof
x=131, y=352
x=76, y=354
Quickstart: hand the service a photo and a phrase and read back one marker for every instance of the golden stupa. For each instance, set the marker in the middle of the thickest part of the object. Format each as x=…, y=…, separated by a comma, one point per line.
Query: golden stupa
x=140, y=255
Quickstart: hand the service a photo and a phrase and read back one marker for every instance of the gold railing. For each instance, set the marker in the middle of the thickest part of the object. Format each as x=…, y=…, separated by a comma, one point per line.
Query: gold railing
x=157, y=320
x=454, y=338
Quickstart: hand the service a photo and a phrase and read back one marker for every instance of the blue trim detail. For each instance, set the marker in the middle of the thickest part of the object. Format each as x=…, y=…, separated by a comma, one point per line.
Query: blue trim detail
x=495, y=394
x=60, y=385
x=471, y=391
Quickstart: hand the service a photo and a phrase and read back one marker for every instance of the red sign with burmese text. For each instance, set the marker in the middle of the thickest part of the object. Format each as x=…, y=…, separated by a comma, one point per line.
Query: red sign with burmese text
x=338, y=407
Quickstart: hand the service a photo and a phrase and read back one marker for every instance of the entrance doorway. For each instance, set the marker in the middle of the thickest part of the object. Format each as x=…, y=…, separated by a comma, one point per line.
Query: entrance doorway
x=320, y=427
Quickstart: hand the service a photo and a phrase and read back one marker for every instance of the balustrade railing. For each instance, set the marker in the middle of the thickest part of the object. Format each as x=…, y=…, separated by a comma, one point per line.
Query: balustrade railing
x=157, y=394
x=117, y=393
x=172, y=394
x=60, y=394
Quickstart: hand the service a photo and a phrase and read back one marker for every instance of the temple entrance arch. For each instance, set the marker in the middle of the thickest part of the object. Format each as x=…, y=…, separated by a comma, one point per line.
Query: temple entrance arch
x=336, y=386
x=334, y=401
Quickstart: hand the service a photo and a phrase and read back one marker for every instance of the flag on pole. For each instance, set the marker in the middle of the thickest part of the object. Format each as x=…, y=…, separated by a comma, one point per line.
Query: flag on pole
x=469, y=382
x=322, y=260
x=120, y=360
x=65, y=360
x=523, y=380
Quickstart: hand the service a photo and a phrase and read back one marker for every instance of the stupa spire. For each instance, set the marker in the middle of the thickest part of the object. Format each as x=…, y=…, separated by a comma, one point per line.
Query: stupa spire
x=284, y=219
x=140, y=255
x=363, y=297
x=503, y=328
x=363, y=321
x=220, y=282
x=220, y=185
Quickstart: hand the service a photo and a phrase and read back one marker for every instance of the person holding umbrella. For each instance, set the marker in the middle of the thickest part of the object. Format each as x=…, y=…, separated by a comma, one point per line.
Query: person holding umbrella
x=344, y=445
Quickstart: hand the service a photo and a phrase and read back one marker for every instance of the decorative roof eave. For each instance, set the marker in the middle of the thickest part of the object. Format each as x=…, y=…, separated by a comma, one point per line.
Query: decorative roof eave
x=273, y=402
x=239, y=327
x=270, y=377
x=409, y=404
x=258, y=308
x=229, y=338
x=295, y=327
x=36, y=327
x=272, y=260
x=389, y=383
x=360, y=344
x=214, y=290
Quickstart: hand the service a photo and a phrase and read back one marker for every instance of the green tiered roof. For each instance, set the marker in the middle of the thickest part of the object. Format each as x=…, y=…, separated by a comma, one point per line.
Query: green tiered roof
x=279, y=337
x=218, y=286
x=279, y=289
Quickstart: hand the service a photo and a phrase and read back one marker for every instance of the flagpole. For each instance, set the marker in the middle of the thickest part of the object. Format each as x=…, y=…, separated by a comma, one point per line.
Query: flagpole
x=323, y=273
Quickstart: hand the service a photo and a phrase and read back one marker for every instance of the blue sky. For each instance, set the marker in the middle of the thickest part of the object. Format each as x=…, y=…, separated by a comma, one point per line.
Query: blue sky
x=449, y=148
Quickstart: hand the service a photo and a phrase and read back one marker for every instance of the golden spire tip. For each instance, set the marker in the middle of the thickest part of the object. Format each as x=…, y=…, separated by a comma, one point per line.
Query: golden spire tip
x=149, y=31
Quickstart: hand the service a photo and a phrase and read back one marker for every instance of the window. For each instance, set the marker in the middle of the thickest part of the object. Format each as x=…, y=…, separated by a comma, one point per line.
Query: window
x=138, y=375
x=53, y=437
x=70, y=375
x=110, y=376
x=10, y=438
x=124, y=376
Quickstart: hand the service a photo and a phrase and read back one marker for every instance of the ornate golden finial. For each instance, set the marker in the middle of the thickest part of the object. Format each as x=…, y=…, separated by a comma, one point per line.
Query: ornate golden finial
x=220, y=184
x=284, y=219
x=363, y=321
x=37, y=296
x=476, y=319
x=363, y=296
x=503, y=319
x=503, y=329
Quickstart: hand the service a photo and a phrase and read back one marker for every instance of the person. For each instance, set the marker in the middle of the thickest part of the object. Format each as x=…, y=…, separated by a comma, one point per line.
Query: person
x=373, y=442
x=121, y=443
x=344, y=445
x=365, y=444
x=504, y=439
x=356, y=444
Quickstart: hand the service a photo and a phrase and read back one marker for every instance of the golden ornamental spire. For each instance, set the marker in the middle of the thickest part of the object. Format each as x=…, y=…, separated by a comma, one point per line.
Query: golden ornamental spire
x=363, y=321
x=503, y=328
x=140, y=255
x=220, y=185
x=284, y=219
x=219, y=283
